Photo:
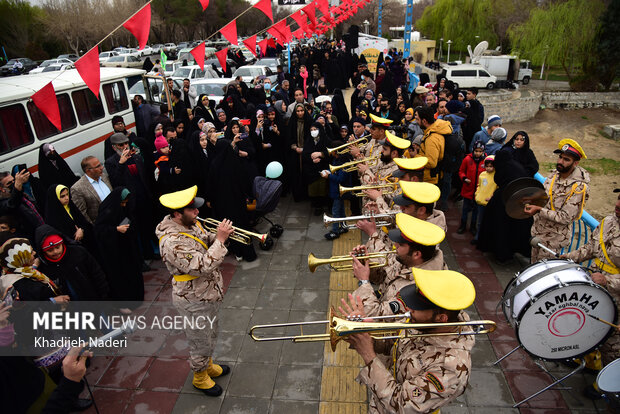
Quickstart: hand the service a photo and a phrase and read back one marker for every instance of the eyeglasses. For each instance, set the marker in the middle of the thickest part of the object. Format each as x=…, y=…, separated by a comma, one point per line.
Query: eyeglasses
x=95, y=167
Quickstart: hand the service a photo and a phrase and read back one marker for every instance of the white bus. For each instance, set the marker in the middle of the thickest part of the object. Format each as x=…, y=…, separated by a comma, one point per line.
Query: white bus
x=86, y=120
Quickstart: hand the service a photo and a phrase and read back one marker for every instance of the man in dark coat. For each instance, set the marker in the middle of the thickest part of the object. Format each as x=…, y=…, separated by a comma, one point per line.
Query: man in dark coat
x=179, y=109
x=145, y=115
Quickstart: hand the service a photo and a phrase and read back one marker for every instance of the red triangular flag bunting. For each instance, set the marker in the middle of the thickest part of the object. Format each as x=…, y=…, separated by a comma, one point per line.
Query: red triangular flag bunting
x=88, y=68
x=140, y=25
x=300, y=19
x=323, y=6
x=204, y=4
x=310, y=11
x=298, y=33
x=221, y=57
x=265, y=7
x=263, y=44
x=271, y=43
x=45, y=99
x=199, y=55
x=250, y=43
x=277, y=35
x=230, y=32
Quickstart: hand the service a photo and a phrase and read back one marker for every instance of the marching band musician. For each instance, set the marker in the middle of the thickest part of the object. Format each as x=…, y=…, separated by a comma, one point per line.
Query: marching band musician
x=604, y=248
x=567, y=188
x=409, y=169
x=193, y=256
x=377, y=133
x=391, y=147
x=416, y=244
x=419, y=375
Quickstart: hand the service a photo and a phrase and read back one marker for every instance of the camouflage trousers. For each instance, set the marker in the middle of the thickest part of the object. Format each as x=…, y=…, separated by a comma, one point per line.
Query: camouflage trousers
x=202, y=335
x=610, y=350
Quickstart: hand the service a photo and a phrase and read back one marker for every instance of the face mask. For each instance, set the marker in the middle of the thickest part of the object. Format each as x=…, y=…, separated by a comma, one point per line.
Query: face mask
x=362, y=77
x=314, y=133
x=267, y=86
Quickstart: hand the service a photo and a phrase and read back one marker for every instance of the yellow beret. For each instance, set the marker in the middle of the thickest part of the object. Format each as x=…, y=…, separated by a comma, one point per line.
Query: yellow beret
x=445, y=288
x=423, y=193
x=411, y=229
x=380, y=121
x=179, y=199
x=568, y=145
x=411, y=164
x=394, y=141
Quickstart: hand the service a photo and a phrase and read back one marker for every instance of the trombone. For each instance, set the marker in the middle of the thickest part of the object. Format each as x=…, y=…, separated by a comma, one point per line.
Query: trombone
x=387, y=188
x=352, y=165
x=339, y=263
x=379, y=219
x=340, y=328
x=240, y=235
x=345, y=148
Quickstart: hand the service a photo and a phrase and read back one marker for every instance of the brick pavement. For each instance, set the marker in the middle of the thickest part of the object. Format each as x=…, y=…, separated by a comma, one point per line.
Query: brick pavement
x=282, y=377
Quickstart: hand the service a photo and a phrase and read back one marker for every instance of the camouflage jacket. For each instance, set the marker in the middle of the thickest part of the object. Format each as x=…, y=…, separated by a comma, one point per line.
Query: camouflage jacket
x=438, y=218
x=398, y=276
x=378, y=173
x=429, y=372
x=183, y=255
x=371, y=149
x=567, y=200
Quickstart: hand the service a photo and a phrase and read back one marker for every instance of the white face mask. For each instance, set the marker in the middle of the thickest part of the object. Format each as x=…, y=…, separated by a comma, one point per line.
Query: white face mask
x=314, y=133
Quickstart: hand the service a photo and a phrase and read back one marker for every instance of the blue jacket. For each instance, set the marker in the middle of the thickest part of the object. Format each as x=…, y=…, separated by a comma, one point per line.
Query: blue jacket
x=481, y=135
x=339, y=177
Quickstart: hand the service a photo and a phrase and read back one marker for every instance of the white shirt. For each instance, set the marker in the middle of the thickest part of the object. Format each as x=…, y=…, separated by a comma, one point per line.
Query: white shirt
x=100, y=187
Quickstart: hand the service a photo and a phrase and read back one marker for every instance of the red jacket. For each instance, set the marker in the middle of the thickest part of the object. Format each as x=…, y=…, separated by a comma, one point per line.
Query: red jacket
x=470, y=169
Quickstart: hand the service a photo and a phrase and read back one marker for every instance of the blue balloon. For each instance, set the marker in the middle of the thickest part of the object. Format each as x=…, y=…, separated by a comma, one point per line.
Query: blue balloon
x=274, y=169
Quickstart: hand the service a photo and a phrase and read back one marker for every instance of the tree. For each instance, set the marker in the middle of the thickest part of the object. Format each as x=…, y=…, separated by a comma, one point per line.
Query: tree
x=559, y=34
x=608, y=54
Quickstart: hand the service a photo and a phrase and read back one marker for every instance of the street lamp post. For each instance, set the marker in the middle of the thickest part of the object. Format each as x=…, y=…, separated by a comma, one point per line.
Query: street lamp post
x=440, y=49
x=366, y=24
x=449, y=43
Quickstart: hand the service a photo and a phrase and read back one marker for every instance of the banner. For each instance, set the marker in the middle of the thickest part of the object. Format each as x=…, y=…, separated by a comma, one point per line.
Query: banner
x=291, y=2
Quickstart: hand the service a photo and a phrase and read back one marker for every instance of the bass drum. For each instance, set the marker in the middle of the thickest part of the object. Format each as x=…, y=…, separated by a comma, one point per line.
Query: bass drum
x=549, y=303
x=608, y=381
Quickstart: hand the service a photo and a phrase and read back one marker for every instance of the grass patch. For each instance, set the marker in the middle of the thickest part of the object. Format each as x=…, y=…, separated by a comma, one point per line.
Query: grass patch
x=584, y=117
x=602, y=166
x=546, y=167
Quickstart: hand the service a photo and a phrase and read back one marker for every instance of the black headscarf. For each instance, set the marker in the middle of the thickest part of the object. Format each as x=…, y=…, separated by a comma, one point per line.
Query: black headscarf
x=56, y=215
x=339, y=107
x=524, y=155
x=54, y=169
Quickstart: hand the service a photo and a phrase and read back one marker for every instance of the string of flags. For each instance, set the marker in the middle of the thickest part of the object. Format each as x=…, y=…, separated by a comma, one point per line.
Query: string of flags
x=139, y=25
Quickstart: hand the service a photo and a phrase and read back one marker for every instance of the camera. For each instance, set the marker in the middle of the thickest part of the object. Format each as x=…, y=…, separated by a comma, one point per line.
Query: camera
x=244, y=135
x=399, y=128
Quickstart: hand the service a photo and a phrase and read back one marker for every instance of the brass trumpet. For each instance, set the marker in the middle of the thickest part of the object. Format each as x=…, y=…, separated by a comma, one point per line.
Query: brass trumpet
x=389, y=216
x=352, y=165
x=240, y=235
x=341, y=328
x=387, y=188
x=344, y=148
x=338, y=263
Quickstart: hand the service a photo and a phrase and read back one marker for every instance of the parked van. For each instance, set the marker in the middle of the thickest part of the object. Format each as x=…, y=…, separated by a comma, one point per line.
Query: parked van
x=86, y=120
x=469, y=76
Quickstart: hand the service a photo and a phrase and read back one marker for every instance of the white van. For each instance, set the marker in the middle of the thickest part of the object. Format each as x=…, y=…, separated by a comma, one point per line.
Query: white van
x=86, y=120
x=469, y=76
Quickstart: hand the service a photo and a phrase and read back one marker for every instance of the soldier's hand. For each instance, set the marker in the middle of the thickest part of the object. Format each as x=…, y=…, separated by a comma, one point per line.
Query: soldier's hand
x=373, y=194
x=353, y=309
x=362, y=167
x=531, y=209
x=599, y=278
x=224, y=230
x=361, y=271
x=364, y=345
x=367, y=226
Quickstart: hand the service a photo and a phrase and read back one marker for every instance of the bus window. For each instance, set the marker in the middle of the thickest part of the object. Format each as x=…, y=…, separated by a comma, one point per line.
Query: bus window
x=43, y=127
x=14, y=128
x=115, y=97
x=87, y=106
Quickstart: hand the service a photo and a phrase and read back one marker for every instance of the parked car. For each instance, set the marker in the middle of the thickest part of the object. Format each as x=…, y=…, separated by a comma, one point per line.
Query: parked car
x=215, y=64
x=27, y=66
x=248, y=73
x=171, y=67
x=185, y=54
x=147, y=51
x=170, y=47
x=156, y=85
x=57, y=66
x=271, y=62
x=157, y=48
x=123, y=61
x=182, y=45
x=69, y=56
x=127, y=51
x=104, y=56
x=49, y=62
x=469, y=76
x=214, y=88
x=194, y=72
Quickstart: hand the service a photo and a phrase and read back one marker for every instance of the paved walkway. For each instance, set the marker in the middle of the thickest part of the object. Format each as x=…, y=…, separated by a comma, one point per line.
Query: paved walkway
x=282, y=377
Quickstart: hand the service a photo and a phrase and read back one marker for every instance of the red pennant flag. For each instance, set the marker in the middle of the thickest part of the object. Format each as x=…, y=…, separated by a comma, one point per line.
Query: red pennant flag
x=45, y=99
x=298, y=33
x=323, y=6
x=250, y=43
x=88, y=68
x=204, y=4
x=276, y=34
x=271, y=43
x=199, y=55
x=265, y=7
x=300, y=19
x=263, y=44
x=230, y=32
x=283, y=28
x=221, y=57
x=139, y=25
x=310, y=11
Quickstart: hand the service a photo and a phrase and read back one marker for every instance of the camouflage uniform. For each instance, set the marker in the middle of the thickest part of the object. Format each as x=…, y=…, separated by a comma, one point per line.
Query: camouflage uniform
x=553, y=223
x=384, y=202
x=592, y=250
x=372, y=149
x=375, y=177
x=199, y=297
x=397, y=277
x=438, y=218
x=430, y=373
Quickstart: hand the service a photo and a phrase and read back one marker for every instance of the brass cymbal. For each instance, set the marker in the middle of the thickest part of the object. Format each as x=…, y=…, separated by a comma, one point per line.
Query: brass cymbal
x=521, y=192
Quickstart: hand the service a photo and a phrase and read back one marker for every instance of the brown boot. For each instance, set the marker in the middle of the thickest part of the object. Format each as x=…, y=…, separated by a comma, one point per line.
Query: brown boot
x=203, y=382
x=215, y=370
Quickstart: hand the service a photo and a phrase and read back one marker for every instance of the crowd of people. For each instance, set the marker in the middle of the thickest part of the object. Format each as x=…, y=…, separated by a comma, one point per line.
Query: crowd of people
x=405, y=146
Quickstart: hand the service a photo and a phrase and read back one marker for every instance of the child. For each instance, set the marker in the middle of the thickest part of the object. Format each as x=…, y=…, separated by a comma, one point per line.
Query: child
x=335, y=179
x=471, y=167
x=163, y=174
x=484, y=191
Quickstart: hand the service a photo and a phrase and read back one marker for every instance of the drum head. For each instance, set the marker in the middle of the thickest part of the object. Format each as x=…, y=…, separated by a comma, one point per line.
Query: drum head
x=608, y=380
x=556, y=326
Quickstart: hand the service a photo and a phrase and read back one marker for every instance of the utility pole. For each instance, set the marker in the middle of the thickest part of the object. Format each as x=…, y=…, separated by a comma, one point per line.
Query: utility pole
x=408, y=28
x=379, y=31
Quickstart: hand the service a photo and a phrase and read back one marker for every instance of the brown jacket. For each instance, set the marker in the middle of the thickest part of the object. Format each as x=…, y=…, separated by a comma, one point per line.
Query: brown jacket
x=86, y=198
